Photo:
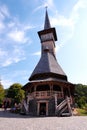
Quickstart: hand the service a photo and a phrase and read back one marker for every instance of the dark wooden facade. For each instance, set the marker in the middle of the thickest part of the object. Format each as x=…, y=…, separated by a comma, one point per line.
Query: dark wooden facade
x=48, y=87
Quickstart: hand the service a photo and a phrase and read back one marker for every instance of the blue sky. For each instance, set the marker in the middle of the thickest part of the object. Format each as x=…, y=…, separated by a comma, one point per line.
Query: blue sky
x=20, y=47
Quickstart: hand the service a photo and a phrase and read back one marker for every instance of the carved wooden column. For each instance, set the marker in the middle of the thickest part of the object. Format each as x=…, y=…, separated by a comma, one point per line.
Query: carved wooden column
x=51, y=88
x=46, y=108
x=55, y=101
x=62, y=91
x=38, y=108
x=35, y=87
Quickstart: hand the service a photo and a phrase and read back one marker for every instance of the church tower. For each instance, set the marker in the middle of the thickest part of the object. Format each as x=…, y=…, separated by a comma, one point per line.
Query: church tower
x=48, y=91
x=48, y=66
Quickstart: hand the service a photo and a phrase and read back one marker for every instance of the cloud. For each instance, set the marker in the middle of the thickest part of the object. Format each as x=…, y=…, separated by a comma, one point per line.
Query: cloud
x=13, y=77
x=11, y=60
x=39, y=7
x=49, y=3
x=62, y=20
x=4, y=11
x=13, y=34
x=68, y=24
x=2, y=53
x=45, y=3
x=6, y=82
x=3, y=14
x=12, y=56
x=80, y=4
x=24, y=74
x=37, y=53
x=18, y=31
x=2, y=26
x=17, y=36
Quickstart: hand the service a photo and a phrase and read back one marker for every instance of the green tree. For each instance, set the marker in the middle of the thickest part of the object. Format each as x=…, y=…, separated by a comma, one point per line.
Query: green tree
x=16, y=93
x=2, y=94
x=81, y=92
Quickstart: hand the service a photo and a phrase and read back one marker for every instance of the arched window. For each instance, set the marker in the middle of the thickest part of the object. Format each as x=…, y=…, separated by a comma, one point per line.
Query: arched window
x=44, y=87
x=56, y=88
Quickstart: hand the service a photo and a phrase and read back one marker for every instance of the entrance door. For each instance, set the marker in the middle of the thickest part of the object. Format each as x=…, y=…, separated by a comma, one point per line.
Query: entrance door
x=42, y=110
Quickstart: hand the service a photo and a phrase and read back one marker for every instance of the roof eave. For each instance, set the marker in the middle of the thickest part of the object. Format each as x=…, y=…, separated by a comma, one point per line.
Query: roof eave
x=50, y=30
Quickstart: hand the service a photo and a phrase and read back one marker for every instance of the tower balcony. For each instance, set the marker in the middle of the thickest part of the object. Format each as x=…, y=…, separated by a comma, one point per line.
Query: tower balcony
x=46, y=94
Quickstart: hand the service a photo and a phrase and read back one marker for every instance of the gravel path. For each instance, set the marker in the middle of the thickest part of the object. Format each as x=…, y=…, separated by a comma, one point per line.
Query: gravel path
x=9, y=121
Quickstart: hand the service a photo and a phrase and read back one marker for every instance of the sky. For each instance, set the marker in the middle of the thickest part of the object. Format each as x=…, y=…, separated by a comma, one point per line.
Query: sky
x=20, y=46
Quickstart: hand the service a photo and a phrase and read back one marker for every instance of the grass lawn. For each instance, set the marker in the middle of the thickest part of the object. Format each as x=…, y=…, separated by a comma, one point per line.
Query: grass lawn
x=81, y=112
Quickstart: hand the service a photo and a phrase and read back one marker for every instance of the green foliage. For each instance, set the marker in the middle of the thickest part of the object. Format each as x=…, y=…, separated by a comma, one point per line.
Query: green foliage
x=16, y=93
x=82, y=112
x=81, y=95
x=2, y=94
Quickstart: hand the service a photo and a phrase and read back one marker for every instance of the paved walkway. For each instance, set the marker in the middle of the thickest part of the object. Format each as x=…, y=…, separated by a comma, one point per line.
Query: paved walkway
x=9, y=121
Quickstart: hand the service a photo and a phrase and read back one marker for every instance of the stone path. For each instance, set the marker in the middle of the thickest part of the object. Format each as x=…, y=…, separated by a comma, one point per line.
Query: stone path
x=9, y=121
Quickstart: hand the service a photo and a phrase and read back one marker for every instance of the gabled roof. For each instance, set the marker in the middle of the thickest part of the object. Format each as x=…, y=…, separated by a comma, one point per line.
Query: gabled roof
x=48, y=67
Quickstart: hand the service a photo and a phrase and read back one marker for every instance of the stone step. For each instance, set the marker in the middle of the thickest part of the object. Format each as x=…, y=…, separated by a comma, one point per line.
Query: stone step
x=65, y=114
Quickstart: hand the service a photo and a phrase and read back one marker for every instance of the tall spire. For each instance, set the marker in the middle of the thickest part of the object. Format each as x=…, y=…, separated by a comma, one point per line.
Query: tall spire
x=47, y=21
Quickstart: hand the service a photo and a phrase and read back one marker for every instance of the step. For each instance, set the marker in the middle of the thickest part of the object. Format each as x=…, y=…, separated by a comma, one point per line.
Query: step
x=65, y=114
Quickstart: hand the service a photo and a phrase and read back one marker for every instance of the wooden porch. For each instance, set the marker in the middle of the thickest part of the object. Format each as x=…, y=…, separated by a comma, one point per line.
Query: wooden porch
x=45, y=94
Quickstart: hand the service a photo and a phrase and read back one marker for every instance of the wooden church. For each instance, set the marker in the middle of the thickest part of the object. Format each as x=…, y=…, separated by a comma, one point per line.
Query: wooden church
x=48, y=92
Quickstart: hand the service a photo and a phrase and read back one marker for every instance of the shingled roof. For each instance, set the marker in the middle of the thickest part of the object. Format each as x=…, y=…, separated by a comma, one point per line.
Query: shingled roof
x=48, y=67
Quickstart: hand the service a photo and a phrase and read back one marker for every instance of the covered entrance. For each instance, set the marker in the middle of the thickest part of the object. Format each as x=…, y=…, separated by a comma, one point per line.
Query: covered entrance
x=42, y=110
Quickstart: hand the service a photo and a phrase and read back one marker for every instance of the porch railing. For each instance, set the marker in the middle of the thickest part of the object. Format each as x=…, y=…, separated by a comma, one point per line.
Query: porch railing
x=46, y=94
